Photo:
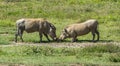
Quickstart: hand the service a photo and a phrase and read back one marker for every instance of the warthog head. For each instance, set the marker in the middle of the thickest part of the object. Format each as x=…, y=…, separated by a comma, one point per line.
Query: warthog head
x=64, y=35
x=52, y=32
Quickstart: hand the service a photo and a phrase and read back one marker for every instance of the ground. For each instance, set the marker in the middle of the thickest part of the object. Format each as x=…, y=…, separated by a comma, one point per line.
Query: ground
x=62, y=44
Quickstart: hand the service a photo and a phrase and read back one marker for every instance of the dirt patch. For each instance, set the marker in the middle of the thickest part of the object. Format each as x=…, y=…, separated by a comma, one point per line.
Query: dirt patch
x=62, y=44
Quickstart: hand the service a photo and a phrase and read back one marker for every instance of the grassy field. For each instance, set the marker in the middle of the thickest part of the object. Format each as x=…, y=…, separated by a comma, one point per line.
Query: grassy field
x=60, y=13
x=49, y=56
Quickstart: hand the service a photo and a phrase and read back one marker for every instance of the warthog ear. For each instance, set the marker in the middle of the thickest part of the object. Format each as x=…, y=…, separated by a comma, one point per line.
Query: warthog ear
x=52, y=26
x=66, y=32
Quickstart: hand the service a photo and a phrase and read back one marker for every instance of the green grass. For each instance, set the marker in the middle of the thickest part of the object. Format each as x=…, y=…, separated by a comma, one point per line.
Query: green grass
x=44, y=55
x=60, y=13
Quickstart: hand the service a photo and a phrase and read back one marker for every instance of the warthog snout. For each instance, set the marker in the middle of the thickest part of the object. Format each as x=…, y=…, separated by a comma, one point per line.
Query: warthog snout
x=53, y=35
x=64, y=35
x=61, y=38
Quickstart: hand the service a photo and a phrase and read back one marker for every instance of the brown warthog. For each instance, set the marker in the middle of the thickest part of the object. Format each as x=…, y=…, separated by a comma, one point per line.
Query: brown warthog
x=78, y=29
x=40, y=25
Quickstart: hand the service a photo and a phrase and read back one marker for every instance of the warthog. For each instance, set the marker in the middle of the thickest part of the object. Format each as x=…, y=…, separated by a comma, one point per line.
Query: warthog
x=78, y=29
x=40, y=25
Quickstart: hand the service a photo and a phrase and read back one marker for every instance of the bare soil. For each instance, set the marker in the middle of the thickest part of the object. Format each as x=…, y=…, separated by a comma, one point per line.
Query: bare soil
x=61, y=44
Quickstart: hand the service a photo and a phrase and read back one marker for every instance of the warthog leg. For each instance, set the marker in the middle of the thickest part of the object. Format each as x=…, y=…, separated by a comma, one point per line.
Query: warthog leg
x=40, y=34
x=19, y=33
x=93, y=33
x=98, y=35
x=16, y=35
x=74, y=38
x=47, y=37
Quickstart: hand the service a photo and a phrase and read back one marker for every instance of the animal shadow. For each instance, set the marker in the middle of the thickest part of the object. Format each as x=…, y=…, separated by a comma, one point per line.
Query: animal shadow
x=100, y=41
x=43, y=41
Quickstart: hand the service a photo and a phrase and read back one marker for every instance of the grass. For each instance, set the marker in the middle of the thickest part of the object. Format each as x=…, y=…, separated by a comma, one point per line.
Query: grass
x=60, y=13
x=44, y=55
